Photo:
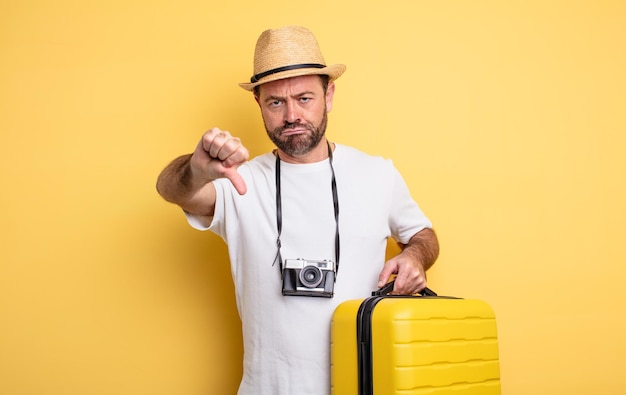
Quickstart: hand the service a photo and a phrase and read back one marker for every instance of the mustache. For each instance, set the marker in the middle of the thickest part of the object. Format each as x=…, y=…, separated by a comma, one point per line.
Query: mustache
x=289, y=126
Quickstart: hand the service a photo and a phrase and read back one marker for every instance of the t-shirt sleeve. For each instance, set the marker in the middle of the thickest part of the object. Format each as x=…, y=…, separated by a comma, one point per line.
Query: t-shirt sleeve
x=406, y=218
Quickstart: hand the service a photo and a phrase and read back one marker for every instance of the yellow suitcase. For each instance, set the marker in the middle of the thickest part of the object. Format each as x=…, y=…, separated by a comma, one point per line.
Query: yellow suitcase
x=414, y=345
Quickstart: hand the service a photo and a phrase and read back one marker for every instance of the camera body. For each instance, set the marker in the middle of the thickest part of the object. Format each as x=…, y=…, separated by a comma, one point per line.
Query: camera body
x=303, y=277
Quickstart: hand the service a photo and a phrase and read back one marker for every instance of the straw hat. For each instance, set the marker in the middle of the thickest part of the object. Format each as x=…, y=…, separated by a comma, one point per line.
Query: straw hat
x=288, y=52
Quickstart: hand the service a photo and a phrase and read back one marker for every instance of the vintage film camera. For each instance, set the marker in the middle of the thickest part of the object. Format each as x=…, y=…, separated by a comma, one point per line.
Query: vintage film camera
x=303, y=277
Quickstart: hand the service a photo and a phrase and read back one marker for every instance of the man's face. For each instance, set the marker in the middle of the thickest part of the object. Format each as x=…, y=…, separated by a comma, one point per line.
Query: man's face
x=295, y=112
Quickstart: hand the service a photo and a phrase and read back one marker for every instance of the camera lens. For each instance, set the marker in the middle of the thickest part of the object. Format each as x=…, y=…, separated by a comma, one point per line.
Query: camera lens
x=310, y=276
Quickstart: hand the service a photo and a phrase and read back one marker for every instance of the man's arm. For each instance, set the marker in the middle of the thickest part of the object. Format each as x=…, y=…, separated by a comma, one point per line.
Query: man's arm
x=417, y=256
x=187, y=180
x=176, y=185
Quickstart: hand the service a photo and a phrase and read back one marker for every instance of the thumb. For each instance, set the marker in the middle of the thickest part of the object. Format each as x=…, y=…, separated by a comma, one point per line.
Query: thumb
x=237, y=181
x=387, y=271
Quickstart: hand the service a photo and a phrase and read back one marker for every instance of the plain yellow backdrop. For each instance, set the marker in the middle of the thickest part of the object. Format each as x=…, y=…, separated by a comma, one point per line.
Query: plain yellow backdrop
x=507, y=119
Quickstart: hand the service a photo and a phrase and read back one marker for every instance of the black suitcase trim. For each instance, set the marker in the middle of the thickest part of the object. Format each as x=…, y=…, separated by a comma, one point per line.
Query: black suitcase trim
x=364, y=344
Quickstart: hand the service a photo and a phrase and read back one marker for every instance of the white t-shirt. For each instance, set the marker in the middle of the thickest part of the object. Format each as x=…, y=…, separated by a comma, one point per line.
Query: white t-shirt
x=287, y=338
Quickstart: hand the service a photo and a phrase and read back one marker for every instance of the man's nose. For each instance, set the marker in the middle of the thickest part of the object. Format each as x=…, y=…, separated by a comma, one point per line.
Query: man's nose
x=292, y=114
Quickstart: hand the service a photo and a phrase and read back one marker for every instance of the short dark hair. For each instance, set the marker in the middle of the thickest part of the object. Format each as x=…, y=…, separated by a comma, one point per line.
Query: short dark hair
x=323, y=77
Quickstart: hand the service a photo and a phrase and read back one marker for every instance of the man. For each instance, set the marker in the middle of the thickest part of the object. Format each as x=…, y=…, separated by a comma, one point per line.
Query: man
x=310, y=212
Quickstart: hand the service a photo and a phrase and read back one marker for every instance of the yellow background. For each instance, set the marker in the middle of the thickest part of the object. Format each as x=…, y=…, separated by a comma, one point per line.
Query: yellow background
x=507, y=119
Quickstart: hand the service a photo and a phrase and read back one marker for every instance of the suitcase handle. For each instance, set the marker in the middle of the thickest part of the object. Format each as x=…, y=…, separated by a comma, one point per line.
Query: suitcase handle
x=387, y=288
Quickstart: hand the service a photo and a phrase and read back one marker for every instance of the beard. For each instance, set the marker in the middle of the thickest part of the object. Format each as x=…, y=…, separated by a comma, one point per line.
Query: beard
x=299, y=144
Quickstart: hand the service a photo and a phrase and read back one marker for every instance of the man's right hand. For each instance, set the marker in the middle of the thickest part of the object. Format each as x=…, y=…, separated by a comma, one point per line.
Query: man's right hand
x=187, y=180
x=218, y=155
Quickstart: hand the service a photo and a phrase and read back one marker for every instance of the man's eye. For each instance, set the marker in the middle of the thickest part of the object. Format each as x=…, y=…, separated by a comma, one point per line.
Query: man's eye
x=305, y=99
x=275, y=103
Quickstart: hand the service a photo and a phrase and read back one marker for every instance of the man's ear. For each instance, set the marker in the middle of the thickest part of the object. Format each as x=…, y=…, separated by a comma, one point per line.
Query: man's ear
x=330, y=94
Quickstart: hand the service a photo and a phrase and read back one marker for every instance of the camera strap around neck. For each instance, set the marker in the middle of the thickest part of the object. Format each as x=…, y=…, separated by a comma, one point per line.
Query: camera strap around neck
x=279, y=214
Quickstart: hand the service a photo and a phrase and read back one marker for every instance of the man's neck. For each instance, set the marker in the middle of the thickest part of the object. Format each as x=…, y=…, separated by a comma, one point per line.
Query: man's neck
x=317, y=154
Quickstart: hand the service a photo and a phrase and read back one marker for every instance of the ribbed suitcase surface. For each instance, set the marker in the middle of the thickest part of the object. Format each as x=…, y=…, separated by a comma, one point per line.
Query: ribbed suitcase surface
x=414, y=345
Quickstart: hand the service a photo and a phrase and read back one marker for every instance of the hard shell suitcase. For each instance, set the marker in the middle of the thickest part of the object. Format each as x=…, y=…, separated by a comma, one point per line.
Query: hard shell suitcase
x=385, y=345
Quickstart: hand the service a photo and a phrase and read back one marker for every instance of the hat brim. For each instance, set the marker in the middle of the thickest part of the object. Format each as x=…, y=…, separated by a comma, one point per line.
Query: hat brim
x=333, y=72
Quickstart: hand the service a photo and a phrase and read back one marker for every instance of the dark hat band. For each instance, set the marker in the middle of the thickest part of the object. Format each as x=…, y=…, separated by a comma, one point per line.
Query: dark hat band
x=257, y=77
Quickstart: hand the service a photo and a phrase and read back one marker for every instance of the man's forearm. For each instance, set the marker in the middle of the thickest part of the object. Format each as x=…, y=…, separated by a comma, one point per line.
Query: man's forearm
x=174, y=182
x=177, y=185
x=424, y=247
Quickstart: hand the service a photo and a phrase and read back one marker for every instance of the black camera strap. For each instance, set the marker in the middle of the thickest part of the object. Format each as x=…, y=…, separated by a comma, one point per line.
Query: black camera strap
x=279, y=213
